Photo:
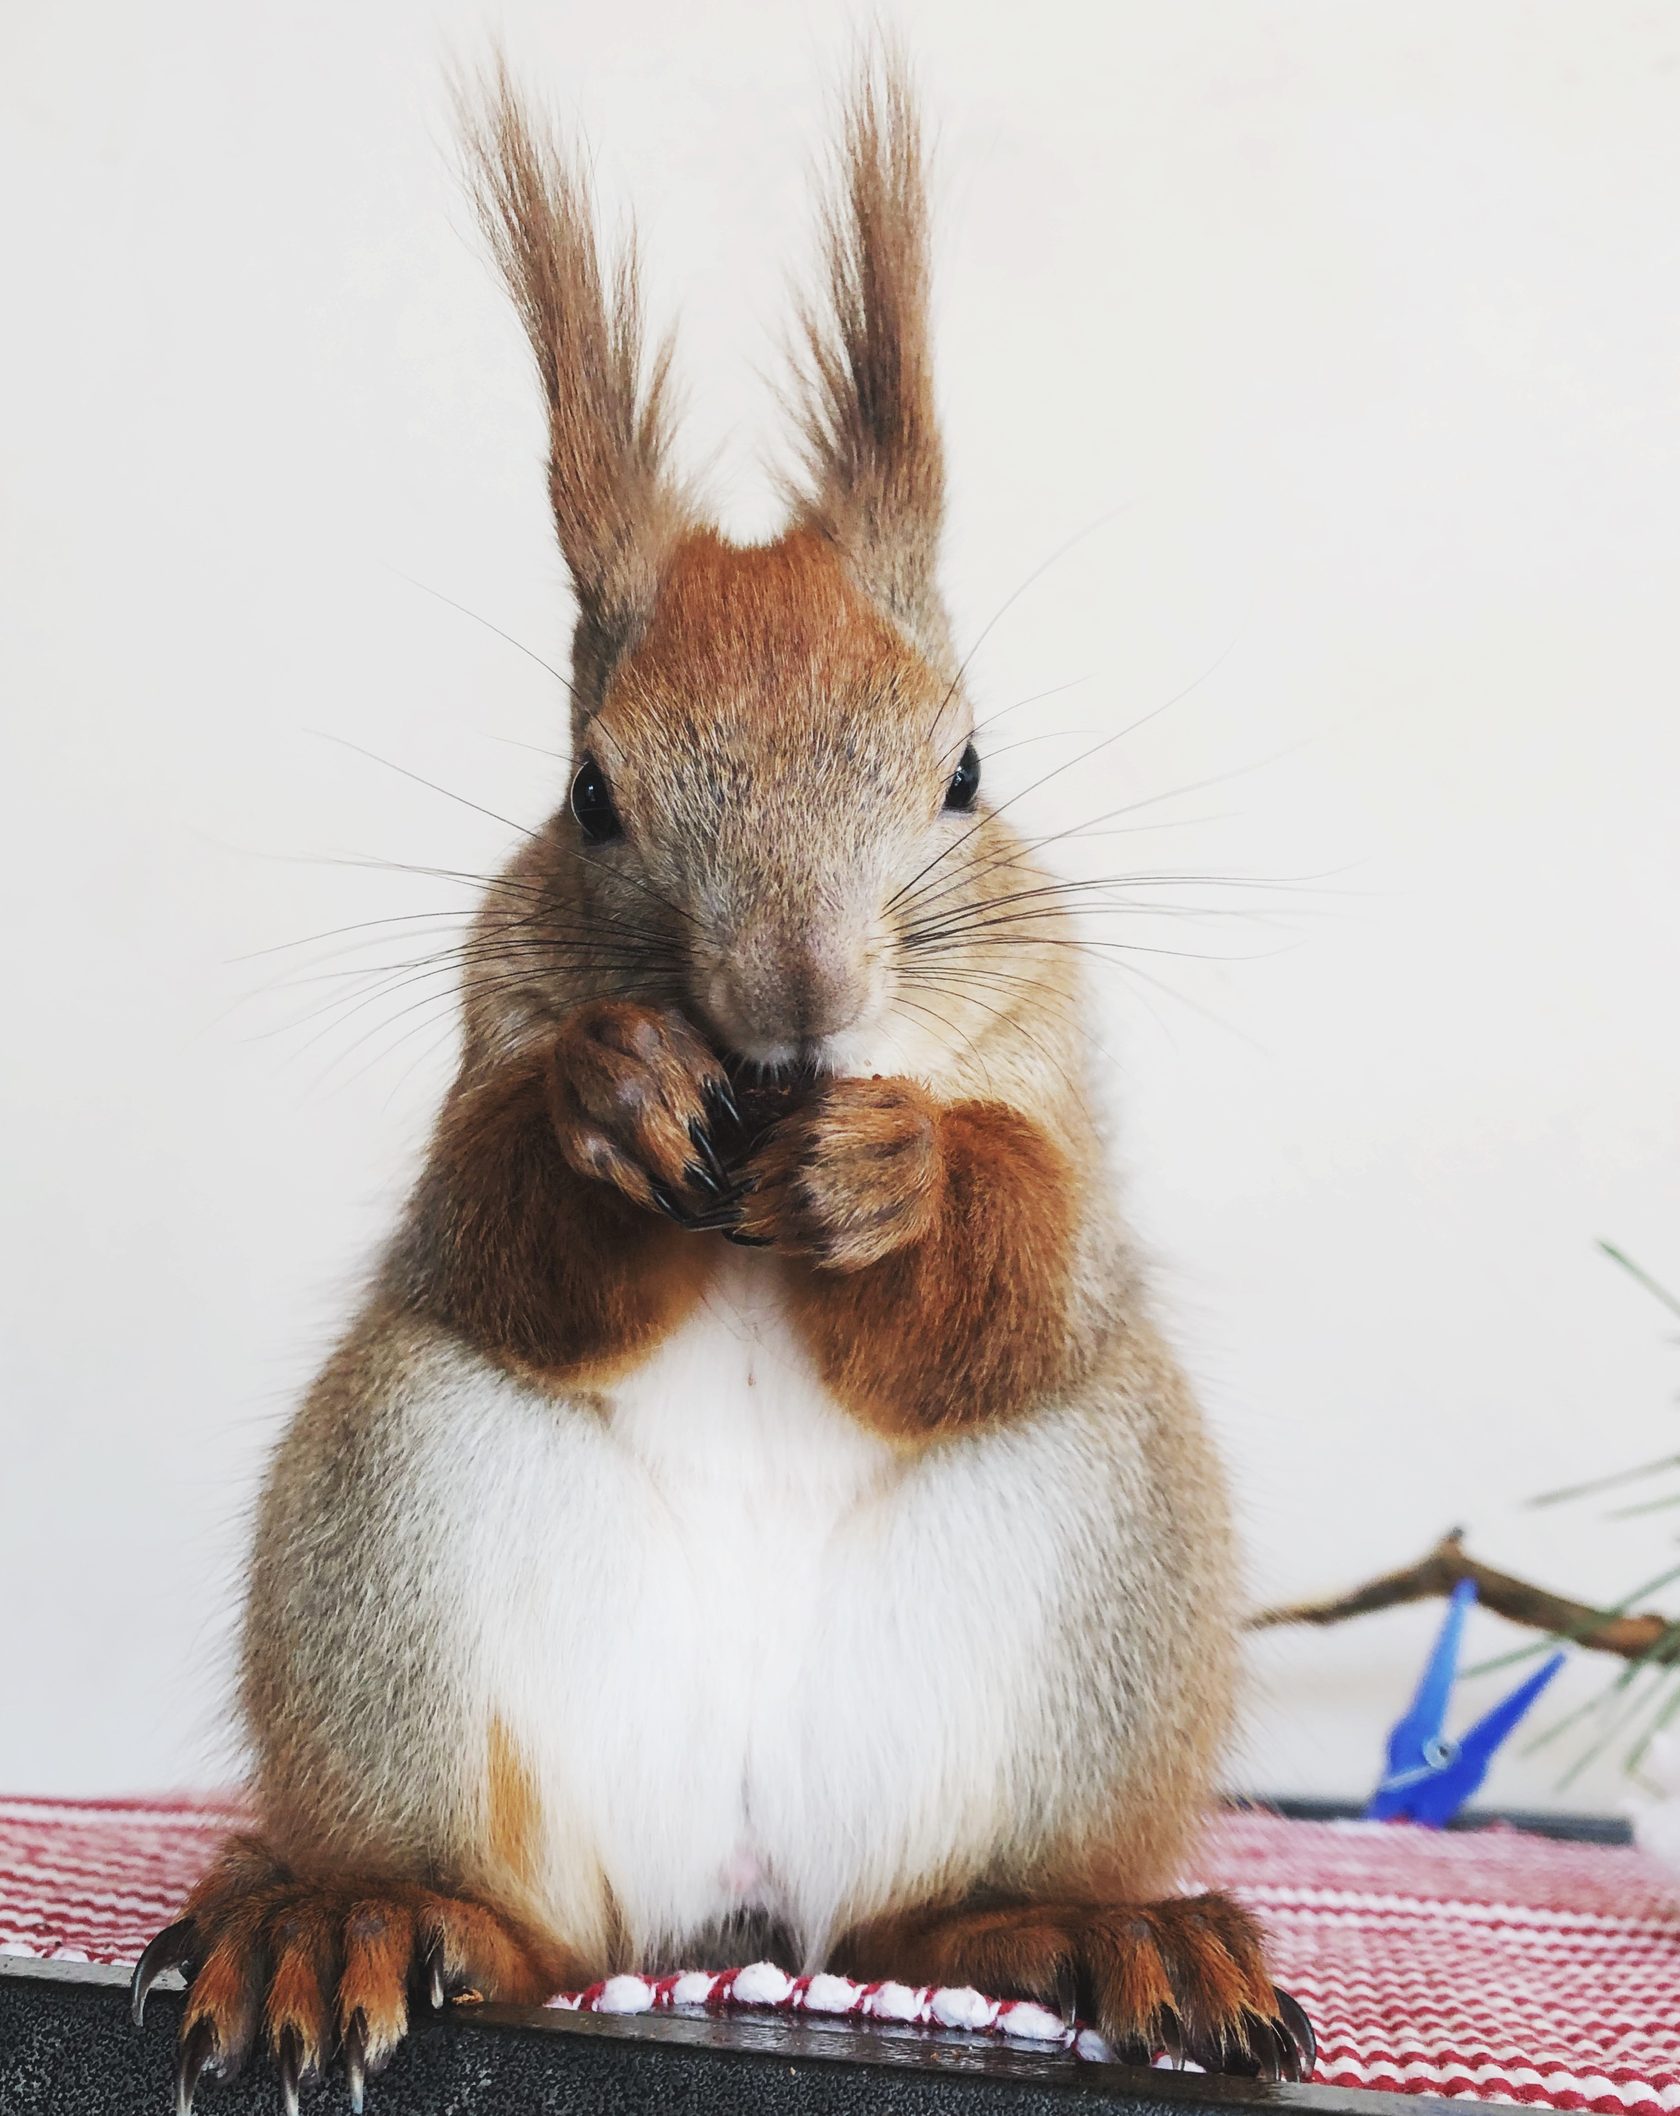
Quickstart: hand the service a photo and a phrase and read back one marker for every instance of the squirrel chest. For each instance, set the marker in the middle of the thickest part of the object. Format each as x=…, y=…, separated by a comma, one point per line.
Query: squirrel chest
x=733, y=1635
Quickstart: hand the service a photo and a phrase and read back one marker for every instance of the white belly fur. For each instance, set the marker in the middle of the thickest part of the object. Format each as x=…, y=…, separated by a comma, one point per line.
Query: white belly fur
x=753, y=1657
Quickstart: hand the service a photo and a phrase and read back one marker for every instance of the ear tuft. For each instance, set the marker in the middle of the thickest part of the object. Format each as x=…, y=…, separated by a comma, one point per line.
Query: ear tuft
x=616, y=510
x=866, y=400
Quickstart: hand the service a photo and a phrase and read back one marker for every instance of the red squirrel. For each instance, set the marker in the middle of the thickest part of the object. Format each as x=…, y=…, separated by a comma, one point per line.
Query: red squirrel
x=754, y=1511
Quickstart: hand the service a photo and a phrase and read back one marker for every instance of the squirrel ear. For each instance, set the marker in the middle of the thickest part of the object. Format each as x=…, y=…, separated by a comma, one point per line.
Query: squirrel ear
x=615, y=508
x=865, y=387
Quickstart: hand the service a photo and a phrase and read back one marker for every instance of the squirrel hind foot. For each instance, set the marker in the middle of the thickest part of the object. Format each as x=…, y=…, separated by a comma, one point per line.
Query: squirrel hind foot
x=1184, y=1978
x=327, y=1971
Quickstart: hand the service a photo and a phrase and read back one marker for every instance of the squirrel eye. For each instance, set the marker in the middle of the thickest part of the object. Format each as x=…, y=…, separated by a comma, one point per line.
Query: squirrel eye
x=592, y=804
x=965, y=780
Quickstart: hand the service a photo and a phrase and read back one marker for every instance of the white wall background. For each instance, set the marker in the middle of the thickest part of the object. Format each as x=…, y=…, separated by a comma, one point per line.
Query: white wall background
x=1363, y=317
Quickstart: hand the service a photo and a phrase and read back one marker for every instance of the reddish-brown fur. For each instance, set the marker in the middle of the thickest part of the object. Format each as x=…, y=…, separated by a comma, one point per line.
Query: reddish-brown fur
x=558, y=1275
x=934, y=1247
x=752, y=623
x=514, y=1804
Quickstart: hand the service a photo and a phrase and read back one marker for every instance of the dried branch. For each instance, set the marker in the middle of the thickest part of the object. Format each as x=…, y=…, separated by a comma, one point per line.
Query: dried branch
x=1605, y=1630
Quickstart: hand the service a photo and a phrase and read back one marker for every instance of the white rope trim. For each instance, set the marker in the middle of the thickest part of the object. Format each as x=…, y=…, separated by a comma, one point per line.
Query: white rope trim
x=762, y=1986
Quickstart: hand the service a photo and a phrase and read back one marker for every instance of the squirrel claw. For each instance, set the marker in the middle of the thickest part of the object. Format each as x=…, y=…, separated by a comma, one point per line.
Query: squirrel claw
x=708, y=1153
x=1298, y=2029
x=1258, y=2049
x=168, y=1950
x=719, y=1214
x=432, y=1970
x=355, y=2059
x=711, y=1219
x=1245, y=2048
x=290, y=2063
x=720, y=1092
x=1269, y=2046
x=721, y=1220
x=198, y=2052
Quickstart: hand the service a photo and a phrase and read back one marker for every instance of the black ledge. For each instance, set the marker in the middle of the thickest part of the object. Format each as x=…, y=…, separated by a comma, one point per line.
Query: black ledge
x=68, y=2048
x=1535, y=1822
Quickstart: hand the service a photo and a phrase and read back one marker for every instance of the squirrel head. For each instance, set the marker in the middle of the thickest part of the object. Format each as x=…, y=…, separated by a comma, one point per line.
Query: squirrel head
x=771, y=744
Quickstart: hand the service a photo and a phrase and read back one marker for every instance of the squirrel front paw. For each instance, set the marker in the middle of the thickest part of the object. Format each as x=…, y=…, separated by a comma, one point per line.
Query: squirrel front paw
x=848, y=1178
x=634, y=1095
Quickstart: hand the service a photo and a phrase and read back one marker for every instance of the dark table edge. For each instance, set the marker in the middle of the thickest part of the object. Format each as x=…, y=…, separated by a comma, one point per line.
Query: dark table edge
x=774, y=2039
x=1533, y=1822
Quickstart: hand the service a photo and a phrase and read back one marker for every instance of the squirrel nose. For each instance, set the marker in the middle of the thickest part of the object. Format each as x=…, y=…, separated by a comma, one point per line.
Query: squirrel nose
x=771, y=997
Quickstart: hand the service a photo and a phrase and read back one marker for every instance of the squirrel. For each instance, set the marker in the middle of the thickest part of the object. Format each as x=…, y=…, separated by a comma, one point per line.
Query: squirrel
x=754, y=1507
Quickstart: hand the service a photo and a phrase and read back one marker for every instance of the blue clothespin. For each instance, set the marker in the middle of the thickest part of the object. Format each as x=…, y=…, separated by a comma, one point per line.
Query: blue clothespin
x=1430, y=1776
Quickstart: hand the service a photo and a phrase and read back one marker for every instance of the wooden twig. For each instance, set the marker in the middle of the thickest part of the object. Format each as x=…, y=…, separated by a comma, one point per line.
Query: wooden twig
x=1605, y=1630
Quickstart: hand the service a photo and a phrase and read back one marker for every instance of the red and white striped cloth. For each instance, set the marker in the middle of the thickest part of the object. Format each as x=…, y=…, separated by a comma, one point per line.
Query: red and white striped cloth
x=1493, y=1966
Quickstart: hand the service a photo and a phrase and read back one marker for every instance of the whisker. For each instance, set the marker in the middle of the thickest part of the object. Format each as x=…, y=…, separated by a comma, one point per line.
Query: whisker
x=658, y=896
x=1097, y=895
x=1099, y=948
x=529, y=653
x=1068, y=764
x=933, y=1014
x=373, y=757
x=988, y=974
x=556, y=756
x=452, y=1029
x=962, y=985
x=468, y=969
x=496, y=884
x=564, y=942
x=531, y=931
x=1038, y=572
x=655, y=989
x=1003, y=712
x=1090, y=829
x=396, y=918
x=489, y=988
x=1019, y=1028
x=1139, y=975
x=379, y=977
x=1049, y=734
